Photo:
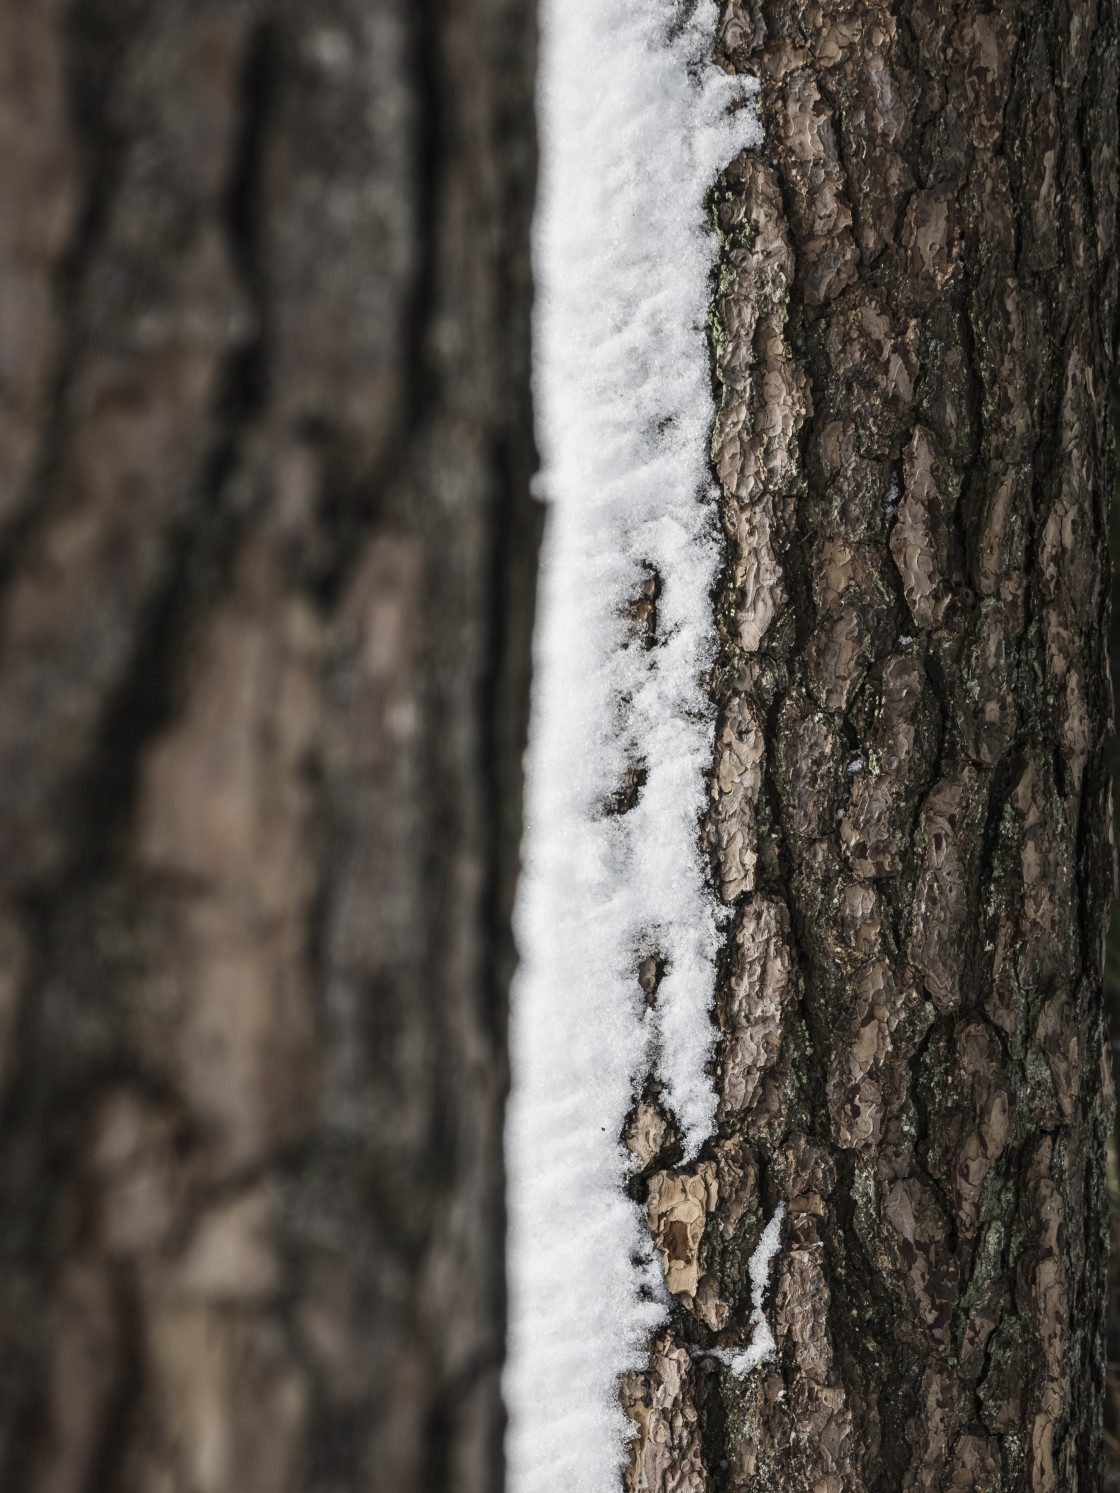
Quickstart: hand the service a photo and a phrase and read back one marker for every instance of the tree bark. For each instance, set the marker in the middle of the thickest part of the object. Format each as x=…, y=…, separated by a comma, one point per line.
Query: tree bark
x=266, y=572
x=913, y=340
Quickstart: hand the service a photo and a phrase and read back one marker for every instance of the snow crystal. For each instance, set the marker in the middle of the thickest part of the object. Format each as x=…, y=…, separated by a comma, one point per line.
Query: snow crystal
x=636, y=123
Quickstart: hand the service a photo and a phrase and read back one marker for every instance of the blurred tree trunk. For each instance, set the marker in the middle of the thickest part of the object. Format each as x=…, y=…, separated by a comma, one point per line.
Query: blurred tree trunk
x=915, y=335
x=266, y=576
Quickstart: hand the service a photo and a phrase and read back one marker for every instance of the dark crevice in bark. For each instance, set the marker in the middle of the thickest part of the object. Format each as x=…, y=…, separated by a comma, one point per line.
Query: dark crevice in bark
x=95, y=46
x=246, y=228
x=201, y=550
x=109, y=1468
x=355, y=503
x=422, y=394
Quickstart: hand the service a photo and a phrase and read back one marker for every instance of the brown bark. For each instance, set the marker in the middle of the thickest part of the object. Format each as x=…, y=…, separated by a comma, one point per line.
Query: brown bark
x=266, y=569
x=913, y=340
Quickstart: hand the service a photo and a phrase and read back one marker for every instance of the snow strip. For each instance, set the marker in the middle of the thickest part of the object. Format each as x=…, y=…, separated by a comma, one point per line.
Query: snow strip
x=635, y=127
x=763, y=1348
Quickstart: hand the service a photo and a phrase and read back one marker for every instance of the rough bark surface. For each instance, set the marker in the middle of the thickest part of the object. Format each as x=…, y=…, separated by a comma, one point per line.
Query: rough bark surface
x=913, y=339
x=266, y=568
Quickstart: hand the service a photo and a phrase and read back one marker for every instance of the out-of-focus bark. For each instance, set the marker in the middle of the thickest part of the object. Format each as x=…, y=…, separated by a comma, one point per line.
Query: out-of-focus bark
x=913, y=339
x=266, y=572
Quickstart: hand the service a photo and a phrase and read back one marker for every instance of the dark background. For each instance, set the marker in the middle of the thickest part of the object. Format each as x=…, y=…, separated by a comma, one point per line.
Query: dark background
x=1112, y=996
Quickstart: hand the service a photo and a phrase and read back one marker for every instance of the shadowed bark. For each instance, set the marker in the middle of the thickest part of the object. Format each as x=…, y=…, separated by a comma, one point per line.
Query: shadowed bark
x=266, y=575
x=913, y=340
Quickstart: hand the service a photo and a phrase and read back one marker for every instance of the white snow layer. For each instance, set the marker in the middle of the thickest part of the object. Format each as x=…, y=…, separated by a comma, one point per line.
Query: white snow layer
x=636, y=122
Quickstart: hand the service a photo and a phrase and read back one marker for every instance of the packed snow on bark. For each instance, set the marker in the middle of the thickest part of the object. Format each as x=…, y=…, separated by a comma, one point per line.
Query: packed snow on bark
x=762, y=1347
x=636, y=123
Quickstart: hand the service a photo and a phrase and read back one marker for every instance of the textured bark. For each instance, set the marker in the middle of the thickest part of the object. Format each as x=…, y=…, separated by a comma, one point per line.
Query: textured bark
x=913, y=339
x=266, y=573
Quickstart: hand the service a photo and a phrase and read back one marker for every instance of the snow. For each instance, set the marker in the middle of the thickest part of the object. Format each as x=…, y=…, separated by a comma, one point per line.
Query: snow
x=763, y=1348
x=635, y=126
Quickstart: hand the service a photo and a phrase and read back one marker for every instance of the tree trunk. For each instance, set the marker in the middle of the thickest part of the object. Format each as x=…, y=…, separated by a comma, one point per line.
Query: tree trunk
x=913, y=341
x=266, y=572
